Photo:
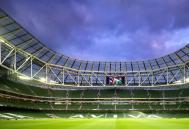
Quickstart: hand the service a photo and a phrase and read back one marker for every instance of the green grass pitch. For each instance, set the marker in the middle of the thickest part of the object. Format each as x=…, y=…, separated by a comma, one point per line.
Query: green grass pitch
x=96, y=124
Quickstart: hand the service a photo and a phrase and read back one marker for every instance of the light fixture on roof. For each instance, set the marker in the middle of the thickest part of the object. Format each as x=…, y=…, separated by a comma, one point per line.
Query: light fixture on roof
x=51, y=81
x=1, y=40
x=187, y=80
x=42, y=79
x=178, y=82
x=22, y=77
x=181, y=81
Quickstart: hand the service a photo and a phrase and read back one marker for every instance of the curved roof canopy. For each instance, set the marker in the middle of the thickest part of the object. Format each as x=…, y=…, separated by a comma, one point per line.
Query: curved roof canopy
x=21, y=38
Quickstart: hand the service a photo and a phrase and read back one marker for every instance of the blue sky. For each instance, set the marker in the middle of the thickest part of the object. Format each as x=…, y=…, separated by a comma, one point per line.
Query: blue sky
x=105, y=29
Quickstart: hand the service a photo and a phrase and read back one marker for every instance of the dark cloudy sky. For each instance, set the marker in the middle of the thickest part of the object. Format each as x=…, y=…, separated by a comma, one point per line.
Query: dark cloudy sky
x=105, y=29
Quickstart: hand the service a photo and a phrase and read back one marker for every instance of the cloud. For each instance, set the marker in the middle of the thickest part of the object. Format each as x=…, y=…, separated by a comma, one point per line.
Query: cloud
x=105, y=29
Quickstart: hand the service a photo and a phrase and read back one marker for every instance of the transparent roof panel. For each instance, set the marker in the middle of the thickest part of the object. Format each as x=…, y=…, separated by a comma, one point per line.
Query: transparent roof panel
x=19, y=37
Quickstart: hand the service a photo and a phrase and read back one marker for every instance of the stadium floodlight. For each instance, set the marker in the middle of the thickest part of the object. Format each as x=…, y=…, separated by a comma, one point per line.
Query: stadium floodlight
x=42, y=79
x=178, y=82
x=1, y=40
x=51, y=81
x=187, y=80
x=58, y=103
x=24, y=77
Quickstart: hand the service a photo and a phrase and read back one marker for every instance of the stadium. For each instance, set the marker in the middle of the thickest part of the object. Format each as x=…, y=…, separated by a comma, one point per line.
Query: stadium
x=42, y=88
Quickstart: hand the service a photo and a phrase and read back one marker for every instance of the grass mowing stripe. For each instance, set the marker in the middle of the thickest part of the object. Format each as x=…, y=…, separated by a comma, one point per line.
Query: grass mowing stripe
x=96, y=124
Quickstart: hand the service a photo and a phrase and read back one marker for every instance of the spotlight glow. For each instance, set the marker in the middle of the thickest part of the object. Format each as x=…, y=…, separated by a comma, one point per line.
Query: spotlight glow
x=24, y=77
x=42, y=79
x=1, y=40
x=52, y=81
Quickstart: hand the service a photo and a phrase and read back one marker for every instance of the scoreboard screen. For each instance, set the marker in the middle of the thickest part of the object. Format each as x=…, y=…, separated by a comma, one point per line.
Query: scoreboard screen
x=115, y=80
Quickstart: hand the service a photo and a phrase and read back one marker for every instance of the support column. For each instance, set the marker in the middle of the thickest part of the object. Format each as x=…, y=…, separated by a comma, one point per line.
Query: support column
x=78, y=79
x=0, y=50
x=167, y=76
x=31, y=70
x=152, y=79
x=63, y=76
x=139, y=81
x=125, y=74
x=14, y=65
x=184, y=73
x=46, y=72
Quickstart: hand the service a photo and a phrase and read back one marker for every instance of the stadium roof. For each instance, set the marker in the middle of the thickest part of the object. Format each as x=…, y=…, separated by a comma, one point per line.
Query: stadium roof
x=21, y=38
